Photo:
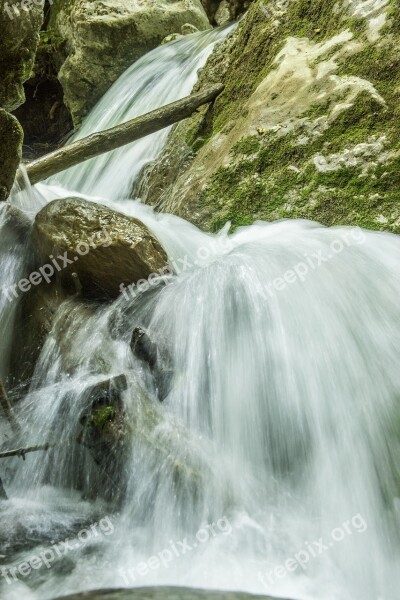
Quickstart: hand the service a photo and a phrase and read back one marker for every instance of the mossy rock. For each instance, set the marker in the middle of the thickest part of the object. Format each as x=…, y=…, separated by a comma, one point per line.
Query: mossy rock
x=307, y=126
x=11, y=136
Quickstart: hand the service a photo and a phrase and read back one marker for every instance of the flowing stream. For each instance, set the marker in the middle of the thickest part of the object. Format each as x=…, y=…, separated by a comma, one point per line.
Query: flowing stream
x=273, y=464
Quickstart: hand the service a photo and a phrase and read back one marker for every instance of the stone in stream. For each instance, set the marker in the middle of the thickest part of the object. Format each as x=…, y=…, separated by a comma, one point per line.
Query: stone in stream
x=146, y=350
x=104, y=429
x=3, y=495
x=105, y=248
x=162, y=593
x=100, y=40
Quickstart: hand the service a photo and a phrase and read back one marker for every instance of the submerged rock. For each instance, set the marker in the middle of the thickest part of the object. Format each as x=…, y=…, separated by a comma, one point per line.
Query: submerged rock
x=307, y=126
x=106, y=249
x=102, y=39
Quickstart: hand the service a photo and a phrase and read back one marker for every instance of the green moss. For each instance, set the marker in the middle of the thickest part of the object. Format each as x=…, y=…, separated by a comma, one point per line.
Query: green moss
x=102, y=416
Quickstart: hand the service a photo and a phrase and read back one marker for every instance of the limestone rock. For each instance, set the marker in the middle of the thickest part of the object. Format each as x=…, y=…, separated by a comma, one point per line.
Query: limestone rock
x=307, y=126
x=105, y=38
x=223, y=14
x=18, y=42
x=105, y=248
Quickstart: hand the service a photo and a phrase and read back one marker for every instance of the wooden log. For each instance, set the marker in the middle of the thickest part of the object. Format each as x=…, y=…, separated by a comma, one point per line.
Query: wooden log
x=22, y=451
x=118, y=136
x=8, y=409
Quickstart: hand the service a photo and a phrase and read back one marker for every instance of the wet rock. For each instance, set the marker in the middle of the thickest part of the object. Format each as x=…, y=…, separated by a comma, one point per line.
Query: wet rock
x=104, y=39
x=3, y=495
x=107, y=249
x=104, y=429
x=160, y=593
x=37, y=310
x=143, y=347
x=160, y=366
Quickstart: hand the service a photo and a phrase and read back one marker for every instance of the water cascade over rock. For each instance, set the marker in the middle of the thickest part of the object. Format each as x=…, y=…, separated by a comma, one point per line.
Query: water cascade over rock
x=271, y=464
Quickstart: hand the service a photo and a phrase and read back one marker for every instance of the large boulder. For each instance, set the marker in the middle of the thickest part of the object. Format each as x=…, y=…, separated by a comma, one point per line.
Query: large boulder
x=104, y=38
x=103, y=247
x=308, y=124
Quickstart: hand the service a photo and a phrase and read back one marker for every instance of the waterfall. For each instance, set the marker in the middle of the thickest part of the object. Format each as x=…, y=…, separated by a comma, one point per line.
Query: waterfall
x=272, y=464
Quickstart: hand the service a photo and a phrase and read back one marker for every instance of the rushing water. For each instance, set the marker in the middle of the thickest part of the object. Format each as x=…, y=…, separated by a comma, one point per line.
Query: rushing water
x=272, y=465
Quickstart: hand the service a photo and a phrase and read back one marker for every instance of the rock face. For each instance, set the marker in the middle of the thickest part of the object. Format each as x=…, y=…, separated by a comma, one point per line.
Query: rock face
x=307, y=126
x=18, y=42
x=103, y=38
x=11, y=136
x=105, y=248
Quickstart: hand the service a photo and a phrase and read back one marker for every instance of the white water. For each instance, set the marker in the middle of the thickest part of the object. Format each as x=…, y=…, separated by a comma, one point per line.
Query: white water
x=283, y=415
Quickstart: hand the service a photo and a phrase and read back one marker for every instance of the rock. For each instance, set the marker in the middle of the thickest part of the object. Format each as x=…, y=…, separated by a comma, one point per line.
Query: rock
x=223, y=13
x=188, y=29
x=171, y=38
x=103, y=432
x=307, y=126
x=105, y=248
x=3, y=495
x=161, y=593
x=18, y=42
x=235, y=8
x=11, y=136
x=102, y=39
x=159, y=362
x=34, y=322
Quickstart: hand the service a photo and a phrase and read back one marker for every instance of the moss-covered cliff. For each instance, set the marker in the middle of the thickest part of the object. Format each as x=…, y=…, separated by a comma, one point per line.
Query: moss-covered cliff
x=308, y=124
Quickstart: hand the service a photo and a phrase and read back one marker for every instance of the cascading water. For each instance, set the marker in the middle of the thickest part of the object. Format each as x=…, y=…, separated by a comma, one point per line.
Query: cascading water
x=281, y=423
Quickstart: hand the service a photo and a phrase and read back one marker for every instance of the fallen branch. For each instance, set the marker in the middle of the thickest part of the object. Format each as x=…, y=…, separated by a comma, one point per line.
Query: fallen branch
x=8, y=409
x=22, y=451
x=118, y=136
